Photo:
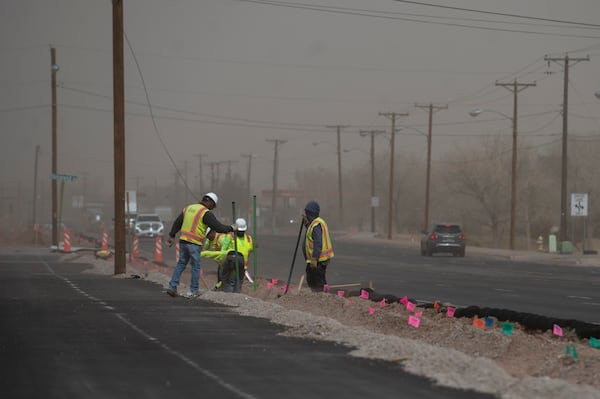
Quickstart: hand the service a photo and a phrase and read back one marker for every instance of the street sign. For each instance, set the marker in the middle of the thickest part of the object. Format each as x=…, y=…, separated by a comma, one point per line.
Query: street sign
x=56, y=176
x=579, y=204
x=374, y=202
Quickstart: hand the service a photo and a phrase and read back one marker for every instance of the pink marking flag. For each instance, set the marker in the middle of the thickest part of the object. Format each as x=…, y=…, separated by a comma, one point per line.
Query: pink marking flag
x=371, y=310
x=414, y=321
x=326, y=288
x=418, y=314
x=557, y=330
x=274, y=281
x=268, y=285
x=340, y=293
x=404, y=300
x=382, y=303
x=451, y=311
x=364, y=294
x=410, y=306
x=283, y=287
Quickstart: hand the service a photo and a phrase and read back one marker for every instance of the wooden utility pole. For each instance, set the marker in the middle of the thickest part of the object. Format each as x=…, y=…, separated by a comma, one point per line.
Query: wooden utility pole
x=248, y=175
x=392, y=116
x=35, y=177
x=430, y=109
x=54, y=68
x=339, y=161
x=276, y=144
x=119, y=136
x=200, y=180
x=565, y=113
x=515, y=87
x=372, y=133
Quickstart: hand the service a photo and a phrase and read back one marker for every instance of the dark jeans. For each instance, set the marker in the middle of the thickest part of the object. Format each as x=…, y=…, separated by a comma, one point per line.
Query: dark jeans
x=226, y=273
x=316, y=276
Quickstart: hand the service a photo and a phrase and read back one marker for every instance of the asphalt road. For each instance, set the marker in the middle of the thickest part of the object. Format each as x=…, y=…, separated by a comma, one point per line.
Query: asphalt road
x=69, y=334
x=549, y=289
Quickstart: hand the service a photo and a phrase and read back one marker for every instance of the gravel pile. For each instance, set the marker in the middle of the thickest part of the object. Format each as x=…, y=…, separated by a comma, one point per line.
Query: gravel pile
x=449, y=351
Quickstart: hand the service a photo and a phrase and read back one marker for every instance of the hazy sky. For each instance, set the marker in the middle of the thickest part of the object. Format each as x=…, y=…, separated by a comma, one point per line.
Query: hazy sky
x=223, y=76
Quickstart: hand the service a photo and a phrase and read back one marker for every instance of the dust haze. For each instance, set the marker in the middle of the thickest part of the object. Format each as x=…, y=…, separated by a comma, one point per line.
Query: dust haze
x=213, y=87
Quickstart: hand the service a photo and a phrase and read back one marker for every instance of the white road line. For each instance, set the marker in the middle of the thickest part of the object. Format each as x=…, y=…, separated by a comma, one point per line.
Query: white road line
x=578, y=297
x=173, y=352
x=502, y=290
x=591, y=303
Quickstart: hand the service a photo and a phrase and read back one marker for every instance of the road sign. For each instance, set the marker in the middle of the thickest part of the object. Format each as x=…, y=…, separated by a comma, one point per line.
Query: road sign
x=56, y=176
x=579, y=204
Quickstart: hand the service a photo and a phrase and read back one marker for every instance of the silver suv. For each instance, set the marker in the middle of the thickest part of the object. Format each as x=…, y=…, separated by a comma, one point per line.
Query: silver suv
x=444, y=237
x=148, y=225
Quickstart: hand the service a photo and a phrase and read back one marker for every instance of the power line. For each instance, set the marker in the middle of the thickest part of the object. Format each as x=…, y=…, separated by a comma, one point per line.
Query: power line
x=499, y=13
x=389, y=17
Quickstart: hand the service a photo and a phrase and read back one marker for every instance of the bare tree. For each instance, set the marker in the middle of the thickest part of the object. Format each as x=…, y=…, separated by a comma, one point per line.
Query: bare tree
x=483, y=176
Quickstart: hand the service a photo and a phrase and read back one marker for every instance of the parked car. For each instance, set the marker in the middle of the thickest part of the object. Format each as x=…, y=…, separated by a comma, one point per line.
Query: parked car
x=444, y=237
x=148, y=225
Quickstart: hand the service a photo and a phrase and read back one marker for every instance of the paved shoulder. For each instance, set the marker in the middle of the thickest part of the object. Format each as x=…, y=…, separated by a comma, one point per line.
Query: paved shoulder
x=66, y=333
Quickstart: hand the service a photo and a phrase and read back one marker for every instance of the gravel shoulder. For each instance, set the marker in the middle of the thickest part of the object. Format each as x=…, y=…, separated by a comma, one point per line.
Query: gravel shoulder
x=450, y=351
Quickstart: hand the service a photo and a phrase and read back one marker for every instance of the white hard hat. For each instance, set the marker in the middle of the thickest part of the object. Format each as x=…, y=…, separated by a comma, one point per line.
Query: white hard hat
x=213, y=197
x=241, y=222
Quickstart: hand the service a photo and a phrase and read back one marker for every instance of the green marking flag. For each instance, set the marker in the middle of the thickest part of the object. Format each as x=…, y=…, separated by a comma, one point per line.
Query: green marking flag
x=595, y=343
x=507, y=328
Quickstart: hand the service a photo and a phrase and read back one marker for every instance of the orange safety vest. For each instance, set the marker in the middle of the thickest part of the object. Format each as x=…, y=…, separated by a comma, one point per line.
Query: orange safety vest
x=193, y=228
x=326, y=248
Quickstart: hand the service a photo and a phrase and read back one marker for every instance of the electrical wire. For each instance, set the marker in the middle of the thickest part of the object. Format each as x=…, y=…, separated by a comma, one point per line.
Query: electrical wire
x=389, y=17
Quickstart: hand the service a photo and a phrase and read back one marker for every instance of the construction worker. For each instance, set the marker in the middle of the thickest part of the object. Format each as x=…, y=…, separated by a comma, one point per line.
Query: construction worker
x=317, y=247
x=244, y=245
x=192, y=224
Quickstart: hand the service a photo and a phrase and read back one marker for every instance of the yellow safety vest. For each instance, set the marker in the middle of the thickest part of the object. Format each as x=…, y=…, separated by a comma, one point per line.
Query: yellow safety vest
x=193, y=228
x=244, y=246
x=326, y=248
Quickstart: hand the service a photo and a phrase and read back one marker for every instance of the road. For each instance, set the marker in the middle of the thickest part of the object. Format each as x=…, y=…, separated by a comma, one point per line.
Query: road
x=70, y=334
x=553, y=289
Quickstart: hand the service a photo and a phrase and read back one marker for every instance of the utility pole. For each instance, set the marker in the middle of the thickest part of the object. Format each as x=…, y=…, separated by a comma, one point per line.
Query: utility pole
x=339, y=160
x=200, y=181
x=515, y=87
x=212, y=176
x=35, y=175
x=119, y=136
x=276, y=144
x=54, y=68
x=372, y=133
x=248, y=175
x=430, y=109
x=563, y=181
x=392, y=116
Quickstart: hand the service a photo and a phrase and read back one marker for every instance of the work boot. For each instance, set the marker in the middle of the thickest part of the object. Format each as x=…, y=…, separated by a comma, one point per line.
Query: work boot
x=190, y=295
x=172, y=293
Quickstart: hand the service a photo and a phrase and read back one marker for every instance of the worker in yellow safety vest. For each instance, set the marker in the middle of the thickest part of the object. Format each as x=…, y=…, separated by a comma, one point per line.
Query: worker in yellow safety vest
x=226, y=257
x=193, y=224
x=317, y=248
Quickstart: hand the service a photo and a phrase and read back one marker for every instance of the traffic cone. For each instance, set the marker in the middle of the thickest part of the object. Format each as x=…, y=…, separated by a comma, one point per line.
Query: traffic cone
x=158, y=255
x=105, y=240
x=135, y=250
x=67, y=241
